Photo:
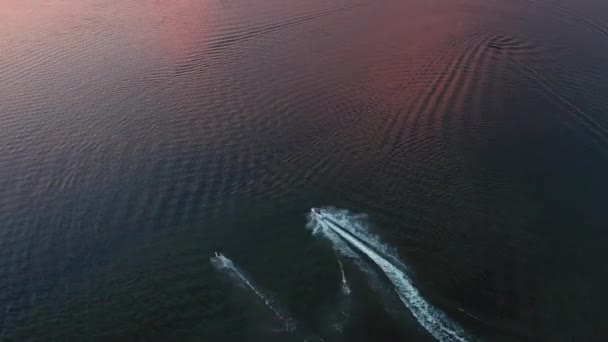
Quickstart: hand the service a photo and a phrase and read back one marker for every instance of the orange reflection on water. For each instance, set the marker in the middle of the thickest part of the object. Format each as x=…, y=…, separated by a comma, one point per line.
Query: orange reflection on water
x=181, y=25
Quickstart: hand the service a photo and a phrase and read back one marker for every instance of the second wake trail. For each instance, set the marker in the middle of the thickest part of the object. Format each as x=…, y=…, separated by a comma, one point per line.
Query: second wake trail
x=345, y=287
x=225, y=265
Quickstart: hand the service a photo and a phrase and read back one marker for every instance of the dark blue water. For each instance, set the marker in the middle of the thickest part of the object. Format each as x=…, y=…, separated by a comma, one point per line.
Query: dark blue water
x=139, y=137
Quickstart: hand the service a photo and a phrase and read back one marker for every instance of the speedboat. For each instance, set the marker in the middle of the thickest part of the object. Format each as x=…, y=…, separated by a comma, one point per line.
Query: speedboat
x=318, y=213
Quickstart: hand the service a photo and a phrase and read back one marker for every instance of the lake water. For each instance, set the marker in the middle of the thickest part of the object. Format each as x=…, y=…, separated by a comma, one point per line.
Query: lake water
x=460, y=145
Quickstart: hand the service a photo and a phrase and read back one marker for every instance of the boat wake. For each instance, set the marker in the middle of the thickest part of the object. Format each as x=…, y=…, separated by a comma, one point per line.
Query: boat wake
x=225, y=265
x=348, y=233
x=343, y=249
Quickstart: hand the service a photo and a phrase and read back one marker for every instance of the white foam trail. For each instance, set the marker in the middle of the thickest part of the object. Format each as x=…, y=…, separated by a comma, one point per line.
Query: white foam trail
x=345, y=287
x=387, y=295
x=222, y=263
x=343, y=249
x=433, y=320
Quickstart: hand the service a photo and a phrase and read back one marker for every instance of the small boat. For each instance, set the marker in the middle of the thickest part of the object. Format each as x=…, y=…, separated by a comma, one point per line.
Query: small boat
x=318, y=213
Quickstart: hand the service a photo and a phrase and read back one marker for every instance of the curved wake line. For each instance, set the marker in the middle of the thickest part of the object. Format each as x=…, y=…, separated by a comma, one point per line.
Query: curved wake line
x=433, y=320
x=579, y=113
x=221, y=262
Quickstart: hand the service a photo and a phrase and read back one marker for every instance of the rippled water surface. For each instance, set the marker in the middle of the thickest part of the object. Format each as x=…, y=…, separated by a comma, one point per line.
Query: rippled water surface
x=139, y=137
